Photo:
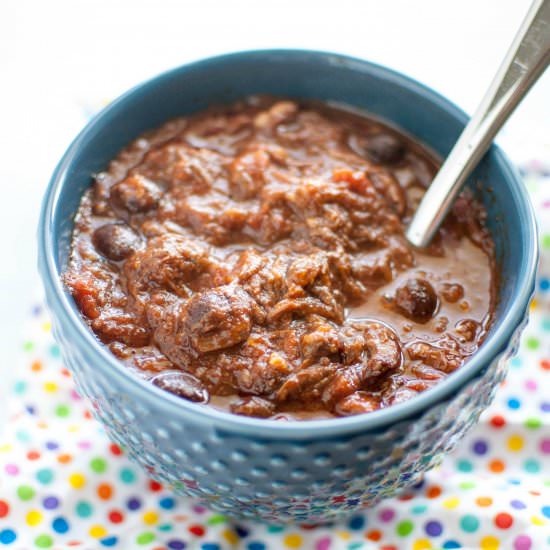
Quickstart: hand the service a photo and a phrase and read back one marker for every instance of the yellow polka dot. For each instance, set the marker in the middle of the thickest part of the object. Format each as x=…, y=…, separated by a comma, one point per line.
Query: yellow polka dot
x=489, y=543
x=6, y=448
x=34, y=517
x=50, y=387
x=343, y=535
x=450, y=503
x=422, y=544
x=293, y=541
x=46, y=326
x=537, y=520
x=150, y=517
x=97, y=531
x=73, y=428
x=515, y=443
x=77, y=481
x=230, y=536
x=533, y=304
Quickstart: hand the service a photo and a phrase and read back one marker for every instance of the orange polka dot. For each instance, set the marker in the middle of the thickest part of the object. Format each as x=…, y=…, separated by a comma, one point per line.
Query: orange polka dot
x=64, y=458
x=535, y=493
x=104, y=491
x=496, y=466
x=484, y=501
x=374, y=535
x=433, y=492
x=36, y=366
x=545, y=364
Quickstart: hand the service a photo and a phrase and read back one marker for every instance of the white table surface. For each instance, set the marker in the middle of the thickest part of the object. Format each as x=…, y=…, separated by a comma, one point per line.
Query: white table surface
x=62, y=58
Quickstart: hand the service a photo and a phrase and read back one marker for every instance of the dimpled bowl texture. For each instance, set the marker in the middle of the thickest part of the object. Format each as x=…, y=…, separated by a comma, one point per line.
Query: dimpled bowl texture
x=285, y=472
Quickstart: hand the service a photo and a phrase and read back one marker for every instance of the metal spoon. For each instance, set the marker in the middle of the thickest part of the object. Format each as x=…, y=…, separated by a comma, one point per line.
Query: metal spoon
x=526, y=60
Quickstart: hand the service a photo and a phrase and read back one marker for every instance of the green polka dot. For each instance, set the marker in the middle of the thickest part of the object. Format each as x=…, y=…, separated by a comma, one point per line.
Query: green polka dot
x=145, y=538
x=464, y=466
x=127, y=475
x=532, y=343
x=275, y=528
x=98, y=465
x=469, y=523
x=216, y=519
x=533, y=423
x=83, y=509
x=62, y=411
x=20, y=387
x=531, y=466
x=43, y=541
x=546, y=240
x=44, y=476
x=165, y=527
x=25, y=492
x=419, y=509
x=54, y=350
x=28, y=346
x=404, y=528
x=467, y=485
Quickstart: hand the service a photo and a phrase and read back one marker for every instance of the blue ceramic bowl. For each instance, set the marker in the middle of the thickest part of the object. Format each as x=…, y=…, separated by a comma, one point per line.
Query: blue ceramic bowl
x=264, y=469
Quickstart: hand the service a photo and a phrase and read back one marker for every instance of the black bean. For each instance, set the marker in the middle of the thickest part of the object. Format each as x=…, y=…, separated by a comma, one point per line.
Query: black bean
x=417, y=300
x=116, y=241
x=385, y=149
x=183, y=385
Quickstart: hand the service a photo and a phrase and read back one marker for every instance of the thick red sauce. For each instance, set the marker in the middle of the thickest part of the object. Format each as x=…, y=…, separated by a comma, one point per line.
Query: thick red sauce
x=253, y=257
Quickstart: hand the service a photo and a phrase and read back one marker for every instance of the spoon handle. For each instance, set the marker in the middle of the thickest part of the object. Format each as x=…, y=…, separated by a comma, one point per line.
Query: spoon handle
x=525, y=61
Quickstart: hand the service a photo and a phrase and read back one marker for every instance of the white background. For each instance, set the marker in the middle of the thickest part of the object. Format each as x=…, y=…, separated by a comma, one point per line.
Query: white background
x=62, y=59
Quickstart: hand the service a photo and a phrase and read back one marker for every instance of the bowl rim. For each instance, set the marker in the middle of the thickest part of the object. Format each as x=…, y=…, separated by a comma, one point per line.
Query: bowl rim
x=59, y=299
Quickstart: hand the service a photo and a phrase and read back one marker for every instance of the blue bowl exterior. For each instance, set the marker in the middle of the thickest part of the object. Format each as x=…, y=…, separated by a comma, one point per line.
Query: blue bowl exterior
x=261, y=469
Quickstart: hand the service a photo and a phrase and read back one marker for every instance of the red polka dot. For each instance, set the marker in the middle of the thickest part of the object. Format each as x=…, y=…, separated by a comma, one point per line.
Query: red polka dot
x=433, y=492
x=388, y=547
x=115, y=516
x=4, y=509
x=87, y=415
x=406, y=496
x=503, y=520
x=115, y=449
x=498, y=421
x=197, y=530
x=33, y=455
x=104, y=491
x=545, y=364
x=154, y=485
x=374, y=535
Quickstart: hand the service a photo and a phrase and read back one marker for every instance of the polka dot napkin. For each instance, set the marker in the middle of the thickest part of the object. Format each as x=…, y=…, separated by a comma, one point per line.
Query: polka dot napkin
x=64, y=485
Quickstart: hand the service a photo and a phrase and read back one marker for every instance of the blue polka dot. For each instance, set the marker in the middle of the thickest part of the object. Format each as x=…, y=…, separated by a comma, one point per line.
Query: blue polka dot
x=167, y=503
x=109, y=541
x=241, y=531
x=480, y=447
x=356, y=523
x=60, y=525
x=517, y=504
x=546, y=511
x=545, y=324
x=7, y=536
x=176, y=544
x=451, y=544
x=514, y=403
x=514, y=482
x=255, y=546
x=133, y=504
x=50, y=503
x=544, y=284
x=516, y=362
x=210, y=546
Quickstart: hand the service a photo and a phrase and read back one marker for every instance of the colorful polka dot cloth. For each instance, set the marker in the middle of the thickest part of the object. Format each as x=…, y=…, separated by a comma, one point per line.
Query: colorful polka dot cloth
x=63, y=484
